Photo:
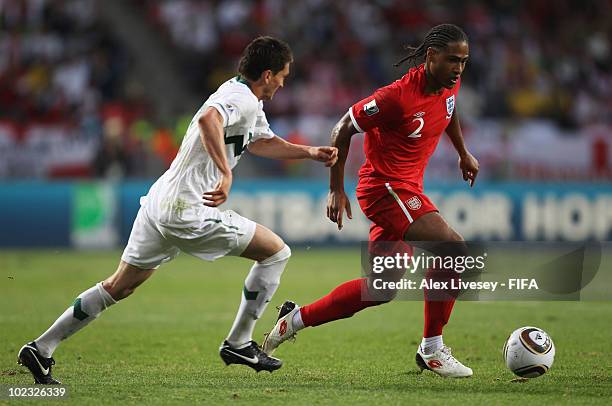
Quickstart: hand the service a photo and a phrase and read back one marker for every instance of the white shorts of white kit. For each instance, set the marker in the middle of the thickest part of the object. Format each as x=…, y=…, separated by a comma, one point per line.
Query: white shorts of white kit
x=215, y=235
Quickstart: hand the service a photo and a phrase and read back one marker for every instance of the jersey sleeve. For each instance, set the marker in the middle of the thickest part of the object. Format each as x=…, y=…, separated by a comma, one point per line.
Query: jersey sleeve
x=232, y=107
x=381, y=108
x=262, y=128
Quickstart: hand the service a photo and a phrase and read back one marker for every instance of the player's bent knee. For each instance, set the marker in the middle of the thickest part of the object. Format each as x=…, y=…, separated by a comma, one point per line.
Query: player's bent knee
x=116, y=290
x=263, y=245
x=281, y=255
x=125, y=281
x=381, y=296
x=278, y=245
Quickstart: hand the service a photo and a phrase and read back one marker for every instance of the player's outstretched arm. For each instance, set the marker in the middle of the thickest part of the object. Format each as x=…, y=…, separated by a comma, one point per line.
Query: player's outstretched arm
x=337, y=201
x=211, y=134
x=277, y=148
x=467, y=163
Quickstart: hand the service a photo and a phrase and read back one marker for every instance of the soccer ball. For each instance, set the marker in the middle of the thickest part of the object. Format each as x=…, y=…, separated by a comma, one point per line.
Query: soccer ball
x=529, y=352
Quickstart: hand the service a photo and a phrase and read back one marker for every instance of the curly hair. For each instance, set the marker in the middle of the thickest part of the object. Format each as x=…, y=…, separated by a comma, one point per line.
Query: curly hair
x=438, y=37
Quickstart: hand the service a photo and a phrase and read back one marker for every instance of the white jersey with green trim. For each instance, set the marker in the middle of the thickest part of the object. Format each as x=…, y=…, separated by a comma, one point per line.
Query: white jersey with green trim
x=175, y=199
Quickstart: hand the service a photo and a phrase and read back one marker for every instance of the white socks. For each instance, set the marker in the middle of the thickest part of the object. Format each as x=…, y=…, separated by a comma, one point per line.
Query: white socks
x=87, y=306
x=259, y=286
x=429, y=345
x=296, y=321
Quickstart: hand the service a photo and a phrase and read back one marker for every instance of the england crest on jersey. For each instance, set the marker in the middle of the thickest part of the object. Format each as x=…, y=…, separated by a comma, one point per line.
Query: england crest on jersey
x=450, y=106
x=414, y=203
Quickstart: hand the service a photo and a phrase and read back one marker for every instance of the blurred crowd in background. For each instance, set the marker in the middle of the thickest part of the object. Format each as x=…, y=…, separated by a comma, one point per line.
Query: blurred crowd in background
x=535, y=102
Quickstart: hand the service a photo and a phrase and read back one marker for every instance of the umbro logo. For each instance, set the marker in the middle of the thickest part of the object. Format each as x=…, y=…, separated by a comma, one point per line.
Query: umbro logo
x=282, y=328
x=434, y=363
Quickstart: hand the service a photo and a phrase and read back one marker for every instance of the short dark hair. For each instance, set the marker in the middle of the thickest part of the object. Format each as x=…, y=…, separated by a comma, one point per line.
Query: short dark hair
x=438, y=37
x=264, y=53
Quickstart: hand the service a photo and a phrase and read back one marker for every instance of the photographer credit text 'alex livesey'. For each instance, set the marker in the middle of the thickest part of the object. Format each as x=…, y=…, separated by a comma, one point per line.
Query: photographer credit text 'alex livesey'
x=479, y=271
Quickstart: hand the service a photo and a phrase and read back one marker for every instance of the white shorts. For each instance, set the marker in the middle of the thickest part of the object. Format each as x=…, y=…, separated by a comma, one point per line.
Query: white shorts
x=218, y=234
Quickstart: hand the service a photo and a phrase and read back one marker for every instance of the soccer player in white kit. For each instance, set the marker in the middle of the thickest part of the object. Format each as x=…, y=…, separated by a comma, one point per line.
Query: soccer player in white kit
x=180, y=212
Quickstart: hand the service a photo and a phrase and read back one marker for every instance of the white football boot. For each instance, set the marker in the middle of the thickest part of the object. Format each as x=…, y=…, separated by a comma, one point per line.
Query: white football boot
x=442, y=363
x=283, y=329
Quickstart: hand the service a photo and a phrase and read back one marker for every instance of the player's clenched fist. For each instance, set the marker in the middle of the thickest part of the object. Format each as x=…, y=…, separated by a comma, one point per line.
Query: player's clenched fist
x=327, y=155
x=337, y=202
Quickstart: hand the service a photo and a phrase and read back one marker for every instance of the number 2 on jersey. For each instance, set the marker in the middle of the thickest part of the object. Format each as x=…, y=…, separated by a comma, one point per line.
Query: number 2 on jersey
x=416, y=133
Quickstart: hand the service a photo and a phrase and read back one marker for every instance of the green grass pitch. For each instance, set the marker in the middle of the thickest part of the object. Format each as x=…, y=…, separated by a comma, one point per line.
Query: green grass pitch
x=160, y=346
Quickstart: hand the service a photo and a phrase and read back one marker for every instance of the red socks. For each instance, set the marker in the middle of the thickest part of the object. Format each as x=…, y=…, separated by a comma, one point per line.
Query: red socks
x=439, y=307
x=342, y=302
x=352, y=297
x=436, y=316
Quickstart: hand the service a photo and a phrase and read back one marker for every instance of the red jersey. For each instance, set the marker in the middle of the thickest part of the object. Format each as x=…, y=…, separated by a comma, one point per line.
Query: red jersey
x=402, y=128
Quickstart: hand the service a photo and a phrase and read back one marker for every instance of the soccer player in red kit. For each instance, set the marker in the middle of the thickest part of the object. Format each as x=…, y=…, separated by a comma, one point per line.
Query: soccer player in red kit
x=402, y=123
